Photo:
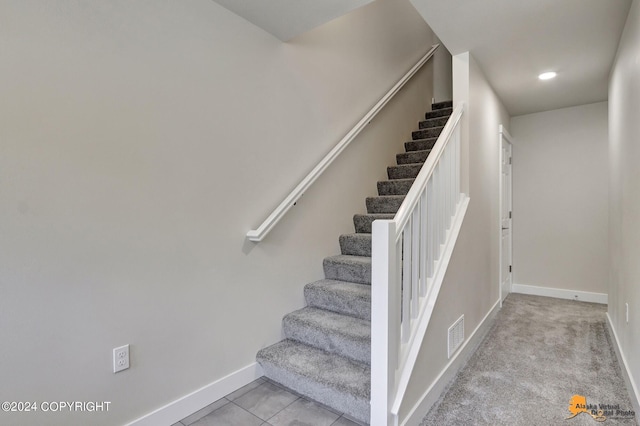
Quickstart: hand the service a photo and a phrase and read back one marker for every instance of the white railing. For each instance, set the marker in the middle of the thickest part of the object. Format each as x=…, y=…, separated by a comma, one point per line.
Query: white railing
x=298, y=191
x=410, y=254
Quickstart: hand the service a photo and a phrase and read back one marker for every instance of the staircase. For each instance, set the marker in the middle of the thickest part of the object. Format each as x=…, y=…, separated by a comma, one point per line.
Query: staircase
x=326, y=355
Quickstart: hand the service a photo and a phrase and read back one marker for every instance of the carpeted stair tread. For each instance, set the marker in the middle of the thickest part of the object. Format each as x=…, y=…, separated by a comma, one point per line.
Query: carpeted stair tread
x=433, y=122
x=354, y=269
x=338, y=382
x=412, y=157
x=332, y=332
x=362, y=222
x=358, y=244
x=394, y=187
x=404, y=171
x=420, y=144
x=384, y=203
x=341, y=297
x=441, y=105
x=433, y=132
x=438, y=113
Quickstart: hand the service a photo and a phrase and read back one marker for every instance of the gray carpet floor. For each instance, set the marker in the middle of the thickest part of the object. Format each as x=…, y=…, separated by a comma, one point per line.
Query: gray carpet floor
x=539, y=353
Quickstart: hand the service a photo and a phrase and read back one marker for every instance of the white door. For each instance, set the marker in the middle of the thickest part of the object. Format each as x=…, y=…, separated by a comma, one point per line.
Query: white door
x=506, y=215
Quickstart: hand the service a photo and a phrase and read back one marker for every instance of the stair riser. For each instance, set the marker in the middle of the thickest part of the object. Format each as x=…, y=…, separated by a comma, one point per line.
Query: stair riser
x=438, y=113
x=384, y=204
x=433, y=122
x=441, y=105
x=395, y=187
x=341, y=297
x=426, y=133
x=420, y=145
x=356, y=244
x=412, y=157
x=404, y=171
x=346, y=346
x=362, y=223
x=353, y=273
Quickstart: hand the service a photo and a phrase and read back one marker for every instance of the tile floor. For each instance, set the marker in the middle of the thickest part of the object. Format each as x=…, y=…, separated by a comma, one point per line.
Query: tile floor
x=265, y=403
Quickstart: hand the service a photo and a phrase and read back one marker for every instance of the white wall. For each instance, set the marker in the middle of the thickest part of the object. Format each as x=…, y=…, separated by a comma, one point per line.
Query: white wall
x=624, y=200
x=442, y=75
x=140, y=141
x=560, y=197
x=471, y=283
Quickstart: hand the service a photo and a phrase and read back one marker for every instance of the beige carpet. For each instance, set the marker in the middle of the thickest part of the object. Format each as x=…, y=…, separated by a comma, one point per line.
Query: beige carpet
x=538, y=355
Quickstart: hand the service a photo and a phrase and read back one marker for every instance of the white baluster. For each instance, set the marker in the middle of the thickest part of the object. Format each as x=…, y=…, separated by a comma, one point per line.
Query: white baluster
x=406, y=280
x=456, y=135
x=438, y=215
x=442, y=205
x=431, y=229
x=451, y=182
x=445, y=165
x=424, y=252
x=415, y=260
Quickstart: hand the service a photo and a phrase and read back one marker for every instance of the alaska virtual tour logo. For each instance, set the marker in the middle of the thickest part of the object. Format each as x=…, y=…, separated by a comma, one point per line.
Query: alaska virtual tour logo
x=599, y=412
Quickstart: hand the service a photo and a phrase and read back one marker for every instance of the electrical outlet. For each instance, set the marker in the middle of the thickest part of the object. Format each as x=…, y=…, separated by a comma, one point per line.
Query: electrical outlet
x=121, y=358
x=627, y=306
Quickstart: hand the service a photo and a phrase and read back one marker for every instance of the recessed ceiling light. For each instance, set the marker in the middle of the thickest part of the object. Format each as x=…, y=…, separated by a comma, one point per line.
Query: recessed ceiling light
x=547, y=75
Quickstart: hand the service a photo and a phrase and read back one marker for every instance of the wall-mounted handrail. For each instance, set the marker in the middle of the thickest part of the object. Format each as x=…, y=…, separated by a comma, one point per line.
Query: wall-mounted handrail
x=410, y=255
x=298, y=191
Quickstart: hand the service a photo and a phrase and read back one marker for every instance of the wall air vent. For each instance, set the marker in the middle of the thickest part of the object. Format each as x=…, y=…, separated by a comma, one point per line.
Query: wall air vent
x=456, y=336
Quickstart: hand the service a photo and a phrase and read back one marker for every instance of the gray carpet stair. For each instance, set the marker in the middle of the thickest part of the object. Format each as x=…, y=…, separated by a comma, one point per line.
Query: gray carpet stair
x=336, y=381
x=362, y=222
x=384, y=203
x=341, y=297
x=432, y=132
x=327, y=350
x=438, y=113
x=420, y=144
x=332, y=332
x=358, y=244
x=355, y=269
x=413, y=157
x=394, y=187
x=433, y=122
x=403, y=171
x=441, y=105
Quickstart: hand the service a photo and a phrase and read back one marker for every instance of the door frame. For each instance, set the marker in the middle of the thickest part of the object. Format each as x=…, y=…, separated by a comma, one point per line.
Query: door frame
x=504, y=136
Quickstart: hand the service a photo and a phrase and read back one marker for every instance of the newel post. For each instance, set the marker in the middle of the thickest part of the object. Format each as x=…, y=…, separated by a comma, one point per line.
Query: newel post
x=385, y=321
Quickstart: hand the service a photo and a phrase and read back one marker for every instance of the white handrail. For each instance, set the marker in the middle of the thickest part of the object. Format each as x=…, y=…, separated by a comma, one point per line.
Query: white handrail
x=266, y=226
x=410, y=256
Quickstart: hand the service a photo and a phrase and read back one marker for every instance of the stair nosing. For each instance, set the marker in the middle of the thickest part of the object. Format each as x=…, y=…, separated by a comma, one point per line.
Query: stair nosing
x=408, y=164
x=423, y=139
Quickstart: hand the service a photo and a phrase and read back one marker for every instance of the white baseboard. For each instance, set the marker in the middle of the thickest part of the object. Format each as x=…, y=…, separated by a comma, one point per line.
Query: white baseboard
x=189, y=404
x=632, y=388
x=449, y=372
x=561, y=293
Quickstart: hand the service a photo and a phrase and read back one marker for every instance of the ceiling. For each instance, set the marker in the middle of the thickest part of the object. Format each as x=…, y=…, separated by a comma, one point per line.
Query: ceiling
x=514, y=41
x=286, y=19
